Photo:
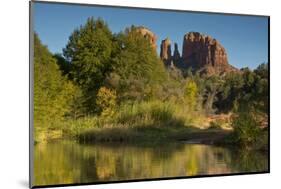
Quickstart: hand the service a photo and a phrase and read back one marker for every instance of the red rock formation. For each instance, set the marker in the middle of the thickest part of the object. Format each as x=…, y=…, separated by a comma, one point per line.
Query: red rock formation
x=165, y=50
x=176, y=55
x=205, y=54
x=148, y=35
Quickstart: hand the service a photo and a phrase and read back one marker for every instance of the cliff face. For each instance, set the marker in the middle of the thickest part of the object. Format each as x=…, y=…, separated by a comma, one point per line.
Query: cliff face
x=165, y=51
x=204, y=53
x=200, y=53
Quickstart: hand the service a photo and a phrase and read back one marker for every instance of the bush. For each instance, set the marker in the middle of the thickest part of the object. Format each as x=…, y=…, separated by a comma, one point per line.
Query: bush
x=246, y=128
x=106, y=101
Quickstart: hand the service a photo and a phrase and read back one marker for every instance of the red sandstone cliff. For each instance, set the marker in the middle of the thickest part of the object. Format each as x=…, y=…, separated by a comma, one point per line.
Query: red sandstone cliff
x=204, y=54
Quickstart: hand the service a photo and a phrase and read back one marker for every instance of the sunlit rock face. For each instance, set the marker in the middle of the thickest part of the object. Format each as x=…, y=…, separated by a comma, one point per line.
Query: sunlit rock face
x=148, y=35
x=165, y=51
x=200, y=53
x=204, y=54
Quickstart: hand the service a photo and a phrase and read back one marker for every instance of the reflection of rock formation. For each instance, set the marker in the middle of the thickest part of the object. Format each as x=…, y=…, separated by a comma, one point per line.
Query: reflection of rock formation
x=165, y=51
x=200, y=53
x=148, y=35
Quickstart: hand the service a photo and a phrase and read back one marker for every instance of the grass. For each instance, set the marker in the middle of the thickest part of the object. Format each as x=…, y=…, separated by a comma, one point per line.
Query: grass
x=154, y=113
x=158, y=122
x=152, y=121
x=134, y=134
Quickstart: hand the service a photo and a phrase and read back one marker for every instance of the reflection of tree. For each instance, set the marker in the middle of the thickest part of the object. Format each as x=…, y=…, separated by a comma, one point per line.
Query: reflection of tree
x=69, y=162
x=53, y=164
x=192, y=164
x=249, y=161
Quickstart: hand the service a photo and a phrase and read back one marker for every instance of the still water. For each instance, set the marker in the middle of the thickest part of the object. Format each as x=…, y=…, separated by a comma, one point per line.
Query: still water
x=66, y=162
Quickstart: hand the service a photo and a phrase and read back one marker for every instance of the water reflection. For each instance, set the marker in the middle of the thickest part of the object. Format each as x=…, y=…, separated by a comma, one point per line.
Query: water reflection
x=66, y=162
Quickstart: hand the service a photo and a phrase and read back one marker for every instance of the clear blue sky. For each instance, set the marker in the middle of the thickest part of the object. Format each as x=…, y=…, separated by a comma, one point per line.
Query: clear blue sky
x=244, y=37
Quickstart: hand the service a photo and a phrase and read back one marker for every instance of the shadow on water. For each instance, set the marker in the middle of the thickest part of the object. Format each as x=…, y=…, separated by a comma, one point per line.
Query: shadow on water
x=64, y=162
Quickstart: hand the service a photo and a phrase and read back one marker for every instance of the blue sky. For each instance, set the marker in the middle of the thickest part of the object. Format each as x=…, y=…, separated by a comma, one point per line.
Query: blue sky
x=245, y=38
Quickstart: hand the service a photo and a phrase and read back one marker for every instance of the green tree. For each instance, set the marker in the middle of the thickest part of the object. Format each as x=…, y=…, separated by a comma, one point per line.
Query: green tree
x=246, y=128
x=89, y=51
x=52, y=91
x=262, y=87
x=256, y=88
x=230, y=92
x=262, y=70
x=137, y=65
x=190, y=94
x=212, y=85
x=64, y=65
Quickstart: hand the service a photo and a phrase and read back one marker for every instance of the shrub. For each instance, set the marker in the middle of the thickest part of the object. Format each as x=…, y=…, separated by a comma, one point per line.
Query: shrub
x=246, y=128
x=106, y=101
